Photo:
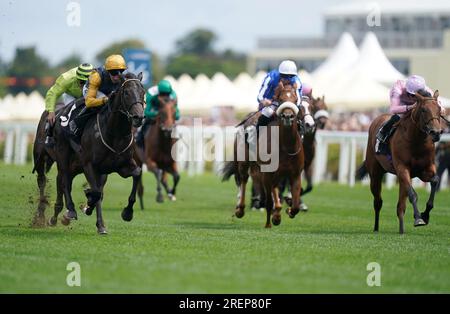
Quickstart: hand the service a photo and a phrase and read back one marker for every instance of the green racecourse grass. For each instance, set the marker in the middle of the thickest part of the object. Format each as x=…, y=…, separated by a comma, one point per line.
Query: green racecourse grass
x=194, y=245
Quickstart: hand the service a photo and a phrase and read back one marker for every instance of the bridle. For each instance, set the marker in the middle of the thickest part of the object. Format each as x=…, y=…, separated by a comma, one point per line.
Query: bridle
x=124, y=112
x=415, y=112
x=121, y=91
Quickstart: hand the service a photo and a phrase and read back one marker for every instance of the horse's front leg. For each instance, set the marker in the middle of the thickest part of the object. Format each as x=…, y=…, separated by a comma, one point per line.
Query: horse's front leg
x=406, y=190
x=101, y=229
x=153, y=167
x=127, y=212
x=176, y=180
x=430, y=203
x=93, y=194
x=276, y=216
x=296, y=185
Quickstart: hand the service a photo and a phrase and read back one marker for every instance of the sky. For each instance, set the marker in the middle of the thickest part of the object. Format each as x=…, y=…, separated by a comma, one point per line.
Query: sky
x=238, y=23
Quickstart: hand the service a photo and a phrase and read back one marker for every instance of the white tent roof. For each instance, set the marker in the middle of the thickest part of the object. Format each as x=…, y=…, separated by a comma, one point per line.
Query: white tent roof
x=343, y=56
x=373, y=63
x=22, y=107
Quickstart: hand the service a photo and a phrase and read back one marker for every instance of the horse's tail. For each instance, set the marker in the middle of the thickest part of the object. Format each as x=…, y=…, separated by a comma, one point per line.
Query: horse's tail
x=362, y=171
x=230, y=169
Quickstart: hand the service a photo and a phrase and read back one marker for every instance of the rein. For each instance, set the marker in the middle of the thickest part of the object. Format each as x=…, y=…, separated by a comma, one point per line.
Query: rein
x=106, y=144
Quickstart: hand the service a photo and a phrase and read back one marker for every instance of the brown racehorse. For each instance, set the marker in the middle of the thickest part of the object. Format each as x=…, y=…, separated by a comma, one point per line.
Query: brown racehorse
x=158, y=150
x=291, y=159
x=319, y=111
x=412, y=155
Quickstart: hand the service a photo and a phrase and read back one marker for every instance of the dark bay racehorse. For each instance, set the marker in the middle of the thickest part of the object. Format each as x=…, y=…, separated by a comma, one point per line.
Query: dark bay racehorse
x=105, y=147
x=291, y=159
x=158, y=151
x=412, y=155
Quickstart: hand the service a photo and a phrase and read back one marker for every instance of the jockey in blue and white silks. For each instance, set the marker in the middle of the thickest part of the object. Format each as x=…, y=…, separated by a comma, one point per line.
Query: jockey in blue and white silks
x=287, y=72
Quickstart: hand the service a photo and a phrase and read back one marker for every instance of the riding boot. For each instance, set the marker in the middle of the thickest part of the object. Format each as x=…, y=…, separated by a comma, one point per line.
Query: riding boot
x=262, y=121
x=141, y=134
x=78, y=123
x=49, y=140
x=385, y=133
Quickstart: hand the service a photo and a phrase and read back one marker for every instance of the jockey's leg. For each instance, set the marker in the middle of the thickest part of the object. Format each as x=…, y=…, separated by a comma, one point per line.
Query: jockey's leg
x=266, y=115
x=385, y=133
x=140, y=138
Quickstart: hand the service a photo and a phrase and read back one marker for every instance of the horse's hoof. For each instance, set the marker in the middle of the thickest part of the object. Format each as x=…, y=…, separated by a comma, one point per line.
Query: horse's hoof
x=171, y=197
x=419, y=222
x=276, y=220
x=52, y=221
x=291, y=212
x=425, y=217
x=268, y=226
x=239, y=213
x=303, y=207
x=159, y=198
x=72, y=215
x=65, y=221
x=127, y=215
x=102, y=231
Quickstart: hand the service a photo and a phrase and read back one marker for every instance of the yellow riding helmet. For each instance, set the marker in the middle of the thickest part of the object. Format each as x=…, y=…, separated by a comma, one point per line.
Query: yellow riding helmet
x=115, y=62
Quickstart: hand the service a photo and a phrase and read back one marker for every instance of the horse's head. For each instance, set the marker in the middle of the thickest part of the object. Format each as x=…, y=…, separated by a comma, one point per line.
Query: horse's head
x=131, y=94
x=427, y=115
x=286, y=95
x=167, y=112
x=319, y=111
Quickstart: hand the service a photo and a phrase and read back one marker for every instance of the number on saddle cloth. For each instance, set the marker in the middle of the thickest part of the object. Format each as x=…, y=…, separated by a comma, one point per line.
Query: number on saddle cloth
x=69, y=114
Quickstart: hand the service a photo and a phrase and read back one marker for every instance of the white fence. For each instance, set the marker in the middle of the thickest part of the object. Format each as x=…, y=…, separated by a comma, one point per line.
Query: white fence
x=19, y=134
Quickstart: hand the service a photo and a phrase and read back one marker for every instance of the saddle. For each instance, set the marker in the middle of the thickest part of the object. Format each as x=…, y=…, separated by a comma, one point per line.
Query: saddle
x=68, y=113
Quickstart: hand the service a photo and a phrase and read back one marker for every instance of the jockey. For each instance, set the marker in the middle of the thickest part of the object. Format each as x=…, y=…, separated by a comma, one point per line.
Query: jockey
x=69, y=85
x=287, y=72
x=307, y=90
x=403, y=100
x=161, y=93
x=101, y=85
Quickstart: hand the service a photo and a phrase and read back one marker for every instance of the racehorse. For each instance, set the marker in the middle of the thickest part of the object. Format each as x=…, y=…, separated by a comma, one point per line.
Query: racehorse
x=291, y=158
x=158, y=151
x=105, y=147
x=412, y=155
x=319, y=111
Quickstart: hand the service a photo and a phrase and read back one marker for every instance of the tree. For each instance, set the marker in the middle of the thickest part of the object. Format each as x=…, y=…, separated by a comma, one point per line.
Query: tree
x=199, y=41
x=195, y=54
x=28, y=67
x=68, y=63
x=3, y=89
x=117, y=48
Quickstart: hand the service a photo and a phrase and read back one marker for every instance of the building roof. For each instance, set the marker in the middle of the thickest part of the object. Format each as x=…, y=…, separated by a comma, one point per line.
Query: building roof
x=402, y=7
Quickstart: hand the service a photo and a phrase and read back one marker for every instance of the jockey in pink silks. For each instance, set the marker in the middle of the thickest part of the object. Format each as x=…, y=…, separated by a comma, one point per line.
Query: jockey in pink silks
x=403, y=99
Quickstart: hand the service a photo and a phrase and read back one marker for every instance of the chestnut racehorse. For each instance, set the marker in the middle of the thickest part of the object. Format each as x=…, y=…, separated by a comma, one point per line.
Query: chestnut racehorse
x=291, y=158
x=412, y=155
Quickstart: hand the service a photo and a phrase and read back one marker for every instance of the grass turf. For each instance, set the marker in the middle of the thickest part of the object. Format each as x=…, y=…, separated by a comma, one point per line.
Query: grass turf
x=194, y=245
